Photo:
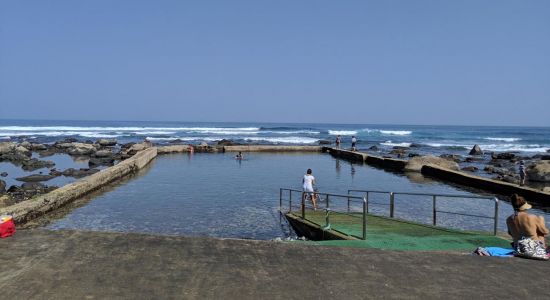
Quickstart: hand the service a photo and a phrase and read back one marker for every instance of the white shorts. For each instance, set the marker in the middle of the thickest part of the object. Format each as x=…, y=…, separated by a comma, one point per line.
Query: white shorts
x=308, y=189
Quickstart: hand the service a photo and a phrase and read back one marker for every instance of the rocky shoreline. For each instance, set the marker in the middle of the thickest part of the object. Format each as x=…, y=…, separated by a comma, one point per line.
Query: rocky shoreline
x=108, y=152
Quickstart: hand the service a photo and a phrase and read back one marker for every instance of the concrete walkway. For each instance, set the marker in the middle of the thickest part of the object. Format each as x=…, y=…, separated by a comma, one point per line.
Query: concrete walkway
x=38, y=264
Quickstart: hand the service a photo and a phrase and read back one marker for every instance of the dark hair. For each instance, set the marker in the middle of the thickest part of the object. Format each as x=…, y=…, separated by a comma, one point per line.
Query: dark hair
x=309, y=171
x=517, y=201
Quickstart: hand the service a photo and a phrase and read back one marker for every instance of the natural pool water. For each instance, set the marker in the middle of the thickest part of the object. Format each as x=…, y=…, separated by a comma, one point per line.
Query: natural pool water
x=216, y=195
x=62, y=161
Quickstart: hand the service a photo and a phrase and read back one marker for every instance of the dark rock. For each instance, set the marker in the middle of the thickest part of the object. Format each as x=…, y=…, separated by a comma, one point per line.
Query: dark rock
x=398, y=151
x=101, y=161
x=48, y=152
x=473, y=159
x=400, y=148
x=38, y=147
x=225, y=142
x=476, y=150
x=545, y=157
x=14, y=157
x=82, y=149
x=453, y=157
x=2, y=186
x=539, y=171
x=107, y=142
x=504, y=155
x=413, y=154
x=374, y=148
x=414, y=145
x=55, y=172
x=127, y=145
x=32, y=186
x=79, y=173
x=13, y=189
x=4, y=174
x=35, y=164
x=176, y=141
x=103, y=153
x=324, y=142
x=35, y=178
x=68, y=140
x=470, y=169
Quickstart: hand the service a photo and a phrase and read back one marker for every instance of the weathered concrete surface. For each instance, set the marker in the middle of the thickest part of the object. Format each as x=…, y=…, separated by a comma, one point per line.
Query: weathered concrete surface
x=415, y=164
x=172, y=149
x=446, y=174
x=498, y=187
x=40, y=264
x=35, y=207
x=346, y=154
x=271, y=148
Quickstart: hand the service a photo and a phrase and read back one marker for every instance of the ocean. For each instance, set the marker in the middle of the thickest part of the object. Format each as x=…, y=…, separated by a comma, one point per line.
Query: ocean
x=425, y=139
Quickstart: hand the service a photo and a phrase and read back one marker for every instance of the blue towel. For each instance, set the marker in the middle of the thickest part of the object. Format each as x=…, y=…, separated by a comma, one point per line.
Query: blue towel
x=502, y=252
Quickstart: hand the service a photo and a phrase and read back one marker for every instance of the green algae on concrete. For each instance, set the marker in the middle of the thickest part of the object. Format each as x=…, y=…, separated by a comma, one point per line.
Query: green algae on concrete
x=386, y=233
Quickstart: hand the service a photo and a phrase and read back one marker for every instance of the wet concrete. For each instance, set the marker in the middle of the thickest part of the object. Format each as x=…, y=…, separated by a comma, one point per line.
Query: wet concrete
x=38, y=264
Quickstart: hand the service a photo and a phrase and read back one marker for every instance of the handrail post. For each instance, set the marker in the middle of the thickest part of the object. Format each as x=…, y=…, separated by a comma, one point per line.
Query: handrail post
x=348, y=200
x=327, y=219
x=303, y=205
x=289, y=200
x=327, y=202
x=367, y=201
x=365, y=217
x=280, y=200
x=496, y=216
x=434, y=211
x=392, y=198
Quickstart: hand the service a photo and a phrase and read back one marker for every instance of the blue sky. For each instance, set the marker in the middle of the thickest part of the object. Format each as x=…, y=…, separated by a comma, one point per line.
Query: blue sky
x=400, y=62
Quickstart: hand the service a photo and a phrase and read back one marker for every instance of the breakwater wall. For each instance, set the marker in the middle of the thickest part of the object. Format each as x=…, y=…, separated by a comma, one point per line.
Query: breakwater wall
x=487, y=184
x=30, y=209
x=271, y=148
x=238, y=148
x=482, y=183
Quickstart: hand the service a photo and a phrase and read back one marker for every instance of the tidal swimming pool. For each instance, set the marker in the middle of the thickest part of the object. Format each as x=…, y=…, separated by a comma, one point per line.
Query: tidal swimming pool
x=216, y=195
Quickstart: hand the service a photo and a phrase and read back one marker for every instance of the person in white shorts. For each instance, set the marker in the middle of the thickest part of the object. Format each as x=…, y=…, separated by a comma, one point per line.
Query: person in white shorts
x=308, y=181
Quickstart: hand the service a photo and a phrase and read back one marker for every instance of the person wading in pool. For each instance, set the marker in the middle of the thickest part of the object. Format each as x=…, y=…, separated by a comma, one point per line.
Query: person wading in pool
x=308, y=182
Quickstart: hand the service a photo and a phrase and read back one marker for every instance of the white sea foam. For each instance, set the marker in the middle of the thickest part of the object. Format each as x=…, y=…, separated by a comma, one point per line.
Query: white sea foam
x=151, y=132
x=293, y=132
x=342, y=132
x=284, y=140
x=497, y=147
x=396, y=132
x=390, y=143
x=108, y=129
x=509, y=140
x=62, y=133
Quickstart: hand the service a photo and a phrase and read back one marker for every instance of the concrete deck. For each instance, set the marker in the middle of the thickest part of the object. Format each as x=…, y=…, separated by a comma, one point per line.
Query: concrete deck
x=38, y=264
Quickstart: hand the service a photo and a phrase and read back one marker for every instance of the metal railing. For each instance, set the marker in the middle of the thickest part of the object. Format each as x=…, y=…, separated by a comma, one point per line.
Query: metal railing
x=327, y=199
x=391, y=204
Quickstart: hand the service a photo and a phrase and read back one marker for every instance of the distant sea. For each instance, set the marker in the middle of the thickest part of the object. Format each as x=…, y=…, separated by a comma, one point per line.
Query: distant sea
x=427, y=139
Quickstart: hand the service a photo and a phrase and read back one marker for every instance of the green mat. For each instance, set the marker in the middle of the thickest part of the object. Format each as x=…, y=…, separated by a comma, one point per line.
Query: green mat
x=386, y=233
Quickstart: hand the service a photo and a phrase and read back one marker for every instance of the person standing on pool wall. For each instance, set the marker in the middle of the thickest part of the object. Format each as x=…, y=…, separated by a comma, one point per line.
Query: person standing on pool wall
x=308, y=182
x=353, y=143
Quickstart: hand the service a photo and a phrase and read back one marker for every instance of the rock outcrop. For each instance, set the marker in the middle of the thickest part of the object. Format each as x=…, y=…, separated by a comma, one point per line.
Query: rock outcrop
x=35, y=178
x=539, y=171
x=415, y=164
x=107, y=142
x=476, y=150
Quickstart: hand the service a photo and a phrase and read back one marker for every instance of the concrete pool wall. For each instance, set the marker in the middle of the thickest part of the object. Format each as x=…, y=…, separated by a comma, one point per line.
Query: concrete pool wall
x=36, y=207
x=30, y=209
x=495, y=186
